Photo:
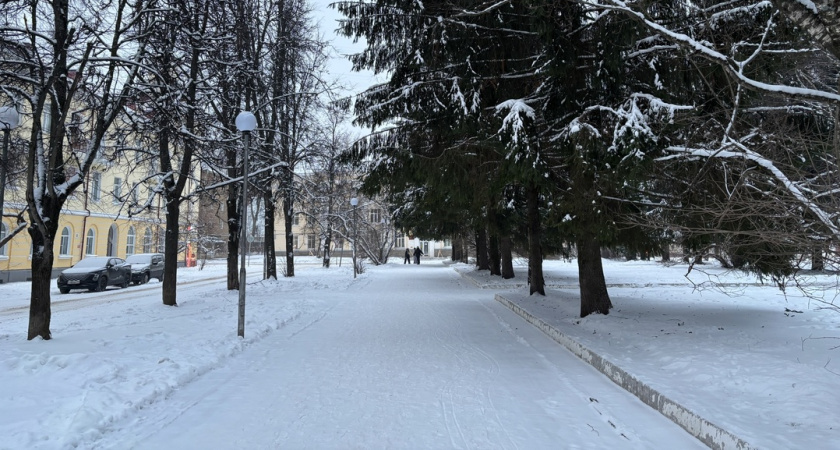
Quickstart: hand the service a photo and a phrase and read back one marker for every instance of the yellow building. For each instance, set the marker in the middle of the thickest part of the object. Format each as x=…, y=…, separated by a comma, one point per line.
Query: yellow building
x=114, y=213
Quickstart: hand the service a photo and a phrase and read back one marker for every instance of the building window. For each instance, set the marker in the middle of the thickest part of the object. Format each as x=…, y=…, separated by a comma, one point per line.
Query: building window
x=400, y=241
x=64, y=246
x=375, y=215
x=147, y=241
x=117, y=189
x=3, y=236
x=296, y=219
x=90, y=245
x=95, y=186
x=297, y=241
x=310, y=241
x=129, y=242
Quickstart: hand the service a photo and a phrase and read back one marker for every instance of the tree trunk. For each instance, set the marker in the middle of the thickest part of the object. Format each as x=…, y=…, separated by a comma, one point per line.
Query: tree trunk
x=594, y=297
x=507, y=257
x=170, y=263
x=535, y=257
x=456, y=249
x=481, y=259
x=494, y=254
x=666, y=252
x=40, y=312
x=327, y=244
x=288, y=217
x=270, y=250
x=232, y=206
x=817, y=259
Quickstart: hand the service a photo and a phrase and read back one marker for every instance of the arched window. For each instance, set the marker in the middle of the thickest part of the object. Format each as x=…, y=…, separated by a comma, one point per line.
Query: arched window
x=64, y=245
x=129, y=242
x=111, y=250
x=90, y=245
x=147, y=241
x=3, y=236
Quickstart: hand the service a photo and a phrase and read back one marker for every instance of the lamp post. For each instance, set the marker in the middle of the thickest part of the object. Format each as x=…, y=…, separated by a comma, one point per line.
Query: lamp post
x=9, y=120
x=245, y=122
x=355, y=202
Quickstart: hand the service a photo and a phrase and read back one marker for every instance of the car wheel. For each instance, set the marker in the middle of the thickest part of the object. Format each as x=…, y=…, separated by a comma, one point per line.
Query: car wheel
x=103, y=284
x=145, y=278
x=125, y=282
x=64, y=290
x=160, y=278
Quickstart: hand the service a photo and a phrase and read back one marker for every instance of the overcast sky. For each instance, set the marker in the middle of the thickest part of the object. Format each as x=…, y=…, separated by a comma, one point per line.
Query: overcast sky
x=327, y=19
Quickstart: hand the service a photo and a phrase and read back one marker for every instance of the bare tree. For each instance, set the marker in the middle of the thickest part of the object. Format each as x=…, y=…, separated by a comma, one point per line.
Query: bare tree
x=70, y=59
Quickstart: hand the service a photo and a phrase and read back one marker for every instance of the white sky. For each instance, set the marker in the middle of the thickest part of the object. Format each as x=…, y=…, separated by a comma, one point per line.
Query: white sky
x=409, y=356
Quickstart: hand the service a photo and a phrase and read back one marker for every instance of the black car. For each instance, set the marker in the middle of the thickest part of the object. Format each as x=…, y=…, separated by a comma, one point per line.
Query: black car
x=95, y=273
x=145, y=266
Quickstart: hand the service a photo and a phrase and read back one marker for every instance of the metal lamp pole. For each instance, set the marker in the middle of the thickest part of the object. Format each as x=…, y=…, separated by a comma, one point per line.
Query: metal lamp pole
x=9, y=120
x=245, y=122
x=355, y=201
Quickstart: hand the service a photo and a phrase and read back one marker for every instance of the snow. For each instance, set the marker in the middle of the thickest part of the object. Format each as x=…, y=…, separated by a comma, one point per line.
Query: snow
x=409, y=356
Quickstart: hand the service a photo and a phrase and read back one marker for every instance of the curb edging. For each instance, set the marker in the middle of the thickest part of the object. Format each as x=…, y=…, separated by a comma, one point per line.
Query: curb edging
x=708, y=433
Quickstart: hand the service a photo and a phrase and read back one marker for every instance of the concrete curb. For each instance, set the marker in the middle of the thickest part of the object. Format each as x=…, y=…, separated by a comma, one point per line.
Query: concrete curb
x=708, y=433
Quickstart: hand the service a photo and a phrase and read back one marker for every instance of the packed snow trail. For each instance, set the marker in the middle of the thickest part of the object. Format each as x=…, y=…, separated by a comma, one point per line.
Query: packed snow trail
x=419, y=359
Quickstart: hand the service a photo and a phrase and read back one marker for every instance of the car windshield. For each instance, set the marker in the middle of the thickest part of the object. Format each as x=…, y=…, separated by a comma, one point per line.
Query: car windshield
x=92, y=262
x=139, y=259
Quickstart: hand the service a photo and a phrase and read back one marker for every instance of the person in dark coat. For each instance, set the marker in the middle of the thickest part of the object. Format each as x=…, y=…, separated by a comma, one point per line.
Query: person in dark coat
x=417, y=254
x=407, y=257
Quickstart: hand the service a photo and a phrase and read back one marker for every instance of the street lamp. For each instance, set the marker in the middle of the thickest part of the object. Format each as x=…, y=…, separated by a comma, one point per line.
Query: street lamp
x=245, y=122
x=9, y=120
x=355, y=202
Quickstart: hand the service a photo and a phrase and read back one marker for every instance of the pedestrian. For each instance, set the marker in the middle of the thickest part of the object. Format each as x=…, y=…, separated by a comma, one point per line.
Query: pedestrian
x=417, y=254
x=407, y=259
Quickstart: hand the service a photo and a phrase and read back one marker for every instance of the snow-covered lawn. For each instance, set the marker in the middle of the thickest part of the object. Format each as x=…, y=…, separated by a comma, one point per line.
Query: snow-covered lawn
x=752, y=360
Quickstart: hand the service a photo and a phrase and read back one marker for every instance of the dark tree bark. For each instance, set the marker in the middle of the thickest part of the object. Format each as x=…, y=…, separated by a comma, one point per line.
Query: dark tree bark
x=535, y=257
x=666, y=252
x=481, y=259
x=233, y=210
x=170, y=263
x=40, y=311
x=270, y=250
x=594, y=297
x=507, y=257
x=288, y=219
x=817, y=259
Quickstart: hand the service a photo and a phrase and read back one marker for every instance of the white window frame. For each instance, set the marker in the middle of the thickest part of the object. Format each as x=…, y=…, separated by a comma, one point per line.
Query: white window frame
x=90, y=242
x=65, y=241
x=129, y=242
x=147, y=241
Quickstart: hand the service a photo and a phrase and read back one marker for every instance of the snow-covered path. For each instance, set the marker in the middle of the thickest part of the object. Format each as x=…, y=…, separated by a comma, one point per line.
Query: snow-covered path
x=419, y=359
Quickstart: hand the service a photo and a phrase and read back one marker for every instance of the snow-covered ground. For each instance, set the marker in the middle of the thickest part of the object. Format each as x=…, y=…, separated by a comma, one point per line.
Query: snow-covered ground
x=412, y=356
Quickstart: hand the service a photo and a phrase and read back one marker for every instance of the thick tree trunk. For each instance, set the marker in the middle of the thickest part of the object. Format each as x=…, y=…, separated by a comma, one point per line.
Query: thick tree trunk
x=594, y=297
x=170, y=263
x=666, y=252
x=481, y=259
x=288, y=218
x=40, y=312
x=456, y=249
x=270, y=250
x=494, y=255
x=817, y=259
x=233, y=222
x=535, y=257
x=507, y=257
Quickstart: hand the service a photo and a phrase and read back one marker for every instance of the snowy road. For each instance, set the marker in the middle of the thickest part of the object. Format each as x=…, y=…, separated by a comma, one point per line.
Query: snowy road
x=419, y=359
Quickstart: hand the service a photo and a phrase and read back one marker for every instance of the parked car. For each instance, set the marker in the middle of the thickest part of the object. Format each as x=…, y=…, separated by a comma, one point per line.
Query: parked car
x=145, y=266
x=95, y=273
